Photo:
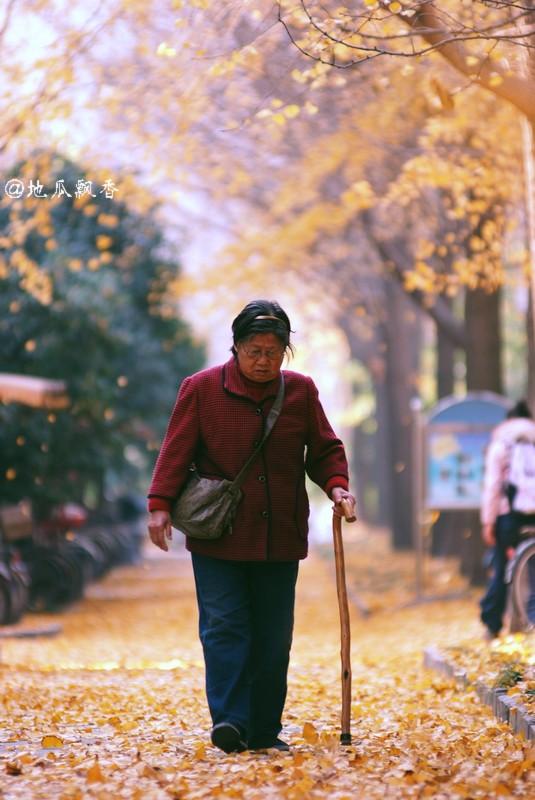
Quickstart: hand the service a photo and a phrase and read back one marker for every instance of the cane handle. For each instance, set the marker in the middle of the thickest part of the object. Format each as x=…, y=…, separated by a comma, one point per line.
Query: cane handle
x=349, y=510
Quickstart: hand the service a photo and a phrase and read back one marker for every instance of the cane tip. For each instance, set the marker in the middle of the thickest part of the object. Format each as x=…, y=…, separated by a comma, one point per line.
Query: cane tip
x=345, y=739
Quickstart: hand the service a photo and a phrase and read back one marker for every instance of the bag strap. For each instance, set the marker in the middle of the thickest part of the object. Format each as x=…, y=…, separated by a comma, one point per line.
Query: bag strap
x=270, y=422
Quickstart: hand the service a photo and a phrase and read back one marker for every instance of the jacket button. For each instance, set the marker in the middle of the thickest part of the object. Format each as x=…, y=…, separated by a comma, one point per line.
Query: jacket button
x=265, y=514
x=262, y=478
x=258, y=411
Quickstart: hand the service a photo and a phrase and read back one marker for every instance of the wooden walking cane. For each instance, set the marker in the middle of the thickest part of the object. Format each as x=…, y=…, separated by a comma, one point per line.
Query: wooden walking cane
x=345, y=629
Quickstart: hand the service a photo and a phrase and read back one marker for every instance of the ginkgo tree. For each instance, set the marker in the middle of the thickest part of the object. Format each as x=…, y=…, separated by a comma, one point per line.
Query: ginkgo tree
x=491, y=45
x=353, y=186
x=300, y=165
x=303, y=214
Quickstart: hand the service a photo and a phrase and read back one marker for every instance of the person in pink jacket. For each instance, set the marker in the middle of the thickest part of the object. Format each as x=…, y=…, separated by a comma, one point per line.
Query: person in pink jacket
x=500, y=522
x=245, y=580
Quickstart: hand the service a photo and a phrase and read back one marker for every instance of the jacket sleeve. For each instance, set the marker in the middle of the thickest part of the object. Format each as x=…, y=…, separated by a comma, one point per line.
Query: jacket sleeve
x=325, y=461
x=492, y=492
x=178, y=449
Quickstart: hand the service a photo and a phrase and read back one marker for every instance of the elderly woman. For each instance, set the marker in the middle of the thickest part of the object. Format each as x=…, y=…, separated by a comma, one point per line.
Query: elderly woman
x=245, y=580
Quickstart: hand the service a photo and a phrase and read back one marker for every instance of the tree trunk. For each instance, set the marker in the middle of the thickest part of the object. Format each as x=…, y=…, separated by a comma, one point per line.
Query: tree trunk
x=483, y=372
x=372, y=457
x=393, y=365
x=445, y=363
x=483, y=333
x=459, y=532
x=402, y=334
x=384, y=454
x=371, y=504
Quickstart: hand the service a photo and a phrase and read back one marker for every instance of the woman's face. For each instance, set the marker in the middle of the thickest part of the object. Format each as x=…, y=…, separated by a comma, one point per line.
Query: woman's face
x=260, y=357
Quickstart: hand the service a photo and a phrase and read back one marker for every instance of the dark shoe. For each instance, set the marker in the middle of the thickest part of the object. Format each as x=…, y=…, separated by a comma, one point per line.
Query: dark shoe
x=275, y=744
x=228, y=738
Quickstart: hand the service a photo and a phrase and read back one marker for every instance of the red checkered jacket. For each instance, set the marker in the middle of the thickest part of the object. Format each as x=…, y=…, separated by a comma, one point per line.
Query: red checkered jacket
x=216, y=424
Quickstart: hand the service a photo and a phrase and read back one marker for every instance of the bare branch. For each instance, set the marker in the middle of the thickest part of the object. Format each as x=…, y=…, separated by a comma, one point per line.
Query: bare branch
x=7, y=17
x=372, y=40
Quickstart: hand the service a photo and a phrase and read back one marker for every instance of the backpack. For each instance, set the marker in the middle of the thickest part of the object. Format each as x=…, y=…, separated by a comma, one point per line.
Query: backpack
x=520, y=489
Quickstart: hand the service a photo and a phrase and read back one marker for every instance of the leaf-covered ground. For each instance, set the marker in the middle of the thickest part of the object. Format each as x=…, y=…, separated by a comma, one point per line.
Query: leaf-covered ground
x=113, y=706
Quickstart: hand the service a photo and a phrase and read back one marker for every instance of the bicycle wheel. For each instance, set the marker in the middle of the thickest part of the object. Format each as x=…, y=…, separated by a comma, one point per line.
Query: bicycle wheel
x=523, y=583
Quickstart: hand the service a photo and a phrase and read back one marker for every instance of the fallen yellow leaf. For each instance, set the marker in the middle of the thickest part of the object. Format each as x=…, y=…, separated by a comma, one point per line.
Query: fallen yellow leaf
x=200, y=753
x=94, y=773
x=310, y=733
x=51, y=741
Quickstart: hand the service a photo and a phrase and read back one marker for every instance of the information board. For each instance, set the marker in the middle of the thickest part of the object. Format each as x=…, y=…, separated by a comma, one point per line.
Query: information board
x=456, y=436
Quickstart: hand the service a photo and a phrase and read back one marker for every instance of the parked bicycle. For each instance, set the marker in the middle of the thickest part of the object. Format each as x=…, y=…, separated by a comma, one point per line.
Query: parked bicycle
x=14, y=585
x=46, y=566
x=520, y=575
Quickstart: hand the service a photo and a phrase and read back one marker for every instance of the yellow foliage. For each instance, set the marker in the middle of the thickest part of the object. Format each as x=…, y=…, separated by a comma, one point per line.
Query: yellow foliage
x=495, y=79
x=104, y=242
x=291, y=111
x=165, y=50
x=34, y=280
x=289, y=152
x=108, y=220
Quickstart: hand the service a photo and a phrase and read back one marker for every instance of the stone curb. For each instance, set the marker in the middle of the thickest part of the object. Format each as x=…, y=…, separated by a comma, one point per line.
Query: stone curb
x=505, y=708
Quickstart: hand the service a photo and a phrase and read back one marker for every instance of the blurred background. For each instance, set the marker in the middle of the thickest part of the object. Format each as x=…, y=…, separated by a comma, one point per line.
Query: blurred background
x=164, y=162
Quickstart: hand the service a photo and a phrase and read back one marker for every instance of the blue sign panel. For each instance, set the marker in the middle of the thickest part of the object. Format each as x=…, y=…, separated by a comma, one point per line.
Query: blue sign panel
x=455, y=462
x=456, y=438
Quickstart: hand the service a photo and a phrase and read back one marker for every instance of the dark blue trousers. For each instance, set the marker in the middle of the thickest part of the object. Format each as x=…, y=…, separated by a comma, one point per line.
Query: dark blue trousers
x=246, y=618
x=507, y=535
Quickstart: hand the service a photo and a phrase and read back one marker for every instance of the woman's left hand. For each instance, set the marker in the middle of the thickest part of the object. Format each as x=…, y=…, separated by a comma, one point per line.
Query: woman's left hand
x=337, y=495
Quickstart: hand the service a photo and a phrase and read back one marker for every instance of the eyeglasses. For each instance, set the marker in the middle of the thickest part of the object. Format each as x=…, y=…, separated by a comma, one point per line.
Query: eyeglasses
x=255, y=353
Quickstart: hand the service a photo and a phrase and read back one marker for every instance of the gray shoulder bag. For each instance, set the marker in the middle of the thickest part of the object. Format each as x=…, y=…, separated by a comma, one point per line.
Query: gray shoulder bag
x=205, y=508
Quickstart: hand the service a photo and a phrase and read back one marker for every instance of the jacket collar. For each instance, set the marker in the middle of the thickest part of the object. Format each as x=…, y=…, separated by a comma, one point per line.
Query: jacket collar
x=235, y=383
